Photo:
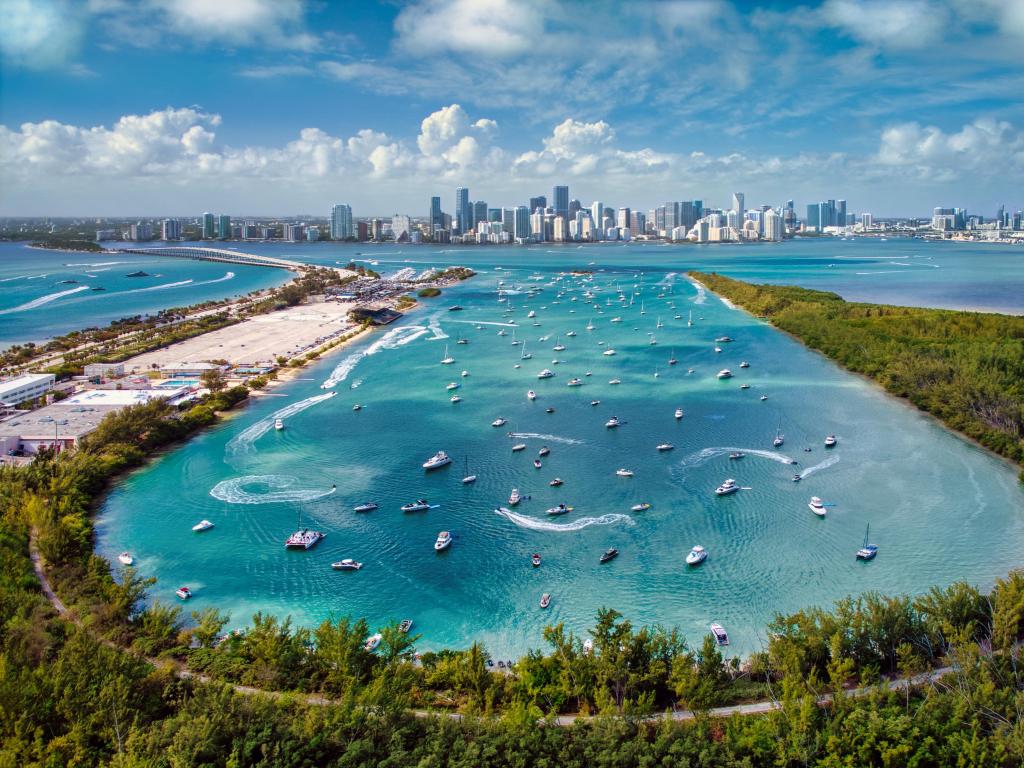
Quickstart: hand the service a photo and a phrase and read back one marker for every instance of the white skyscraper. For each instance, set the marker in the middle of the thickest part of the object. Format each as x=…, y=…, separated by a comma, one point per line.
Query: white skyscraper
x=597, y=214
x=401, y=228
x=341, y=222
x=737, y=204
x=772, y=225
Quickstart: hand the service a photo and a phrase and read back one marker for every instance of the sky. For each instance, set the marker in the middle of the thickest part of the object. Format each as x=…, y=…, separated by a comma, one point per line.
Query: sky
x=284, y=107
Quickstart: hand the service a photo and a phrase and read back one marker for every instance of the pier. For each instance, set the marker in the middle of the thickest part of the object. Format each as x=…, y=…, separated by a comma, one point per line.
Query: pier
x=219, y=254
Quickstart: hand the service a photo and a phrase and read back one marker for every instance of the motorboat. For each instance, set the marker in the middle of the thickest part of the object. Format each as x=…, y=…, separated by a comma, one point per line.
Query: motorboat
x=763, y=398
x=830, y=441
x=723, y=340
x=535, y=559
x=697, y=555
x=613, y=422
x=744, y=386
x=867, y=551
x=615, y=320
x=455, y=399
x=367, y=507
x=357, y=407
x=729, y=486
x=725, y=373
x=201, y=526
x=609, y=554
x=615, y=382
x=797, y=478
x=419, y=505
x=570, y=334
x=183, y=592
x=531, y=395
x=444, y=540
x=575, y=382
x=532, y=314
x=544, y=451
x=595, y=402
x=718, y=349
x=549, y=409
x=588, y=646
x=561, y=509
x=454, y=308
x=641, y=507
x=437, y=461
x=465, y=374
x=545, y=600
x=304, y=539
x=547, y=373
x=556, y=482
x=744, y=364
x=514, y=498
x=499, y=422
x=536, y=464
x=348, y=564
x=737, y=455
x=679, y=413
x=608, y=352
x=278, y=424
x=719, y=633
x=404, y=626
x=125, y=558
x=624, y=472
x=462, y=340
x=372, y=642
x=518, y=447
x=817, y=506
x=666, y=447
x=453, y=385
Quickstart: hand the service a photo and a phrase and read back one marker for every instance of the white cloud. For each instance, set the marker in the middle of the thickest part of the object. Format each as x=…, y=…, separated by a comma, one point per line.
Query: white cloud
x=887, y=23
x=986, y=145
x=491, y=28
x=38, y=34
x=238, y=22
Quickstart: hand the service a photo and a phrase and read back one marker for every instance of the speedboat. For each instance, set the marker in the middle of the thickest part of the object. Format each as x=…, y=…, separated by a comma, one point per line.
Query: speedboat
x=615, y=381
x=666, y=447
x=456, y=399
x=357, y=407
x=544, y=451
x=532, y=314
x=531, y=395
x=723, y=340
x=744, y=386
x=536, y=464
x=514, y=497
x=744, y=364
x=737, y=455
x=453, y=385
x=616, y=320
x=612, y=422
x=867, y=551
x=725, y=373
x=729, y=486
x=697, y=555
x=575, y=382
x=764, y=397
x=624, y=472
x=438, y=460
x=367, y=507
x=454, y=308
x=556, y=482
x=499, y=422
x=125, y=558
x=817, y=506
x=608, y=352
x=679, y=413
x=718, y=349
x=609, y=554
x=595, y=402
x=830, y=441
x=549, y=409
x=372, y=642
x=404, y=626
x=797, y=478
x=721, y=637
x=545, y=374
x=304, y=539
x=571, y=333
x=183, y=592
x=444, y=540
x=278, y=424
x=535, y=559
x=588, y=646
x=465, y=374
x=545, y=600
x=201, y=526
x=416, y=506
x=348, y=564
x=561, y=509
x=641, y=507
x=518, y=447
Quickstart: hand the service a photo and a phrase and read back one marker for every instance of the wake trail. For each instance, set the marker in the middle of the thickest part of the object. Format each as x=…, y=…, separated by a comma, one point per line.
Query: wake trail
x=234, y=491
x=242, y=442
x=43, y=300
x=702, y=294
x=393, y=339
x=826, y=463
x=533, y=524
x=707, y=453
x=547, y=438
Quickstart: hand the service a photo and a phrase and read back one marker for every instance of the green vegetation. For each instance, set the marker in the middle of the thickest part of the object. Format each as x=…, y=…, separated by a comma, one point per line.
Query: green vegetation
x=69, y=245
x=405, y=302
x=426, y=293
x=965, y=368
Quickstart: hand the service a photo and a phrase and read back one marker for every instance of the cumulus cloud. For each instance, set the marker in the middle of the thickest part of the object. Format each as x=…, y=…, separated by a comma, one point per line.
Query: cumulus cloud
x=888, y=23
x=929, y=152
x=491, y=28
x=38, y=34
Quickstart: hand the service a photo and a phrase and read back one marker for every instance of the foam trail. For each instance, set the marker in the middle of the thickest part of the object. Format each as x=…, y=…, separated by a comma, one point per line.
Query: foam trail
x=434, y=325
x=21, y=277
x=703, y=455
x=826, y=463
x=668, y=279
x=485, y=322
x=396, y=337
x=243, y=440
x=155, y=287
x=234, y=491
x=547, y=438
x=43, y=300
x=95, y=264
x=523, y=521
x=890, y=272
x=702, y=295
x=227, y=276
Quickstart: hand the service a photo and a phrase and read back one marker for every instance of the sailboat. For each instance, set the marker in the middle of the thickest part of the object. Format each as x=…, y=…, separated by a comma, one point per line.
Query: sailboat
x=672, y=360
x=867, y=551
x=447, y=359
x=689, y=322
x=642, y=310
x=468, y=478
x=525, y=355
x=659, y=324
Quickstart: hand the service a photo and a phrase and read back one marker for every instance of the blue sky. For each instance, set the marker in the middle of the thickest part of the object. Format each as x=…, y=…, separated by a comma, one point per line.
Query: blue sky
x=157, y=107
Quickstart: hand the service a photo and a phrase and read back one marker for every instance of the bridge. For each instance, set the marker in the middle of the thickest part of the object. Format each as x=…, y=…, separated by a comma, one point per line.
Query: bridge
x=220, y=254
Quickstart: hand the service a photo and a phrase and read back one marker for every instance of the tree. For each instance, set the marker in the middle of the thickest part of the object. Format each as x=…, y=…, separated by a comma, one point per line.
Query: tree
x=213, y=380
x=209, y=624
x=700, y=679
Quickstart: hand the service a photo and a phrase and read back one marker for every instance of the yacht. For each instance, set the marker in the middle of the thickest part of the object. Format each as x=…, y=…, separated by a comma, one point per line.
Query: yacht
x=725, y=373
x=744, y=364
x=278, y=424
x=348, y=564
x=535, y=559
x=518, y=447
x=558, y=348
x=468, y=478
x=499, y=422
x=612, y=422
x=679, y=413
x=304, y=539
x=665, y=447
x=830, y=441
x=545, y=600
x=404, y=626
x=867, y=551
x=561, y=509
x=125, y=558
x=763, y=398
x=817, y=506
x=624, y=472
x=437, y=461
x=697, y=555
x=608, y=352
x=737, y=455
x=531, y=395
x=575, y=382
x=544, y=451
x=372, y=642
x=367, y=507
x=447, y=359
x=721, y=637
x=201, y=526
x=455, y=399
x=514, y=497
x=556, y=482
x=609, y=554
x=536, y=464
x=547, y=373
x=183, y=592
x=419, y=505
x=444, y=540
x=672, y=360
x=729, y=486
x=641, y=507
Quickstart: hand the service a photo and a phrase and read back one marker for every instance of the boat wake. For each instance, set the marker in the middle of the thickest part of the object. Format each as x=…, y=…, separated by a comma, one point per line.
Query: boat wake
x=393, y=339
x=532, y=523
x=707, y=453
x=264, y=489
x=20, y=277
x=96, y=264
x=826, y=463
x=485, y=322
x=702, y=295
x=192, y=282
x=668, y=279
x=243, y=441
x=546, y=438
x=434, y=325
x=43, y=300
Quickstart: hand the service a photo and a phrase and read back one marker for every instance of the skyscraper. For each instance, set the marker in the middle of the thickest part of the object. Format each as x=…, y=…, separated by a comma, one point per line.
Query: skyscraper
x=171, y=229
x=597, y=214
x=435, y=213
x=463, y=213
x=737, y=204
x=813, y=220
x=208, y=226
x=538, y=202
x=479, y=213
x=623, y=220
x=841, y=213
x=341, y=222
x=560, y=201
x=224, y=226
x=574, y=208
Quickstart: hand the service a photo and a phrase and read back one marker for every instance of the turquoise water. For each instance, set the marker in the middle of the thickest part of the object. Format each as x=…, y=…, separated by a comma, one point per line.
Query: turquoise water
x=939, y=509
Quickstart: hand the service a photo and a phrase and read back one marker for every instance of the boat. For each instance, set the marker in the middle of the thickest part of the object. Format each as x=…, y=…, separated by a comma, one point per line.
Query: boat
x=556, y=482
x=679, y=413
x=817, y=506
x=697, y=555
x=723, y=340
x=547, y=373
x=744, y=364
x=544, y=451
x=201, y=526
x=689, y=321
x=575, y=382
x=725, y=373
x=779, y=440
x=549, y=409
x=367, y=507
x=348, y=564
x=718, y=349
x=465, y=374
x=867, y=551
x=531, y=395
x=729, y=486
x=641, y=507
x=612, y=422
x=672, y=360
x=558, y=348
x=454, y=308
x=372, y=642
x=438, y=460
x=614, y=382
x=623, y=472
x=447, y=359
x=666, y=447
x=608, y=352
x=545, y=600
x=444, y=540
x=830, y=441
x=535, y=559
x=590, y=325
x=357, y=407
x=588, y=646
x=303, y=539
x=616, y=320
x=721, y=637
x=125, y=558
x=595, y=402
x=278, y=424
x=609, y=554
x=452, y=385
x=183, y=592
x=571, y=334
x=797, y=478
x=532, y=314
x=764, y=397
x=404, y=626
x=536, y=464
x=514, y=498
x=455, y=399
x=737, y=455
x=499, y=422
x=561, y=509
x=416, y=506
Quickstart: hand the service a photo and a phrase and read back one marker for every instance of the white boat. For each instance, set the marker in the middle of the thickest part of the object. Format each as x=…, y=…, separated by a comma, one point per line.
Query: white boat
x=372, y=642
x=453, y=385
x=514, y=498
x=499, y=422
x=561, y=509
x=278, y=424
x=624, y=472
x=779, y=440
x=468, y=478
x=641, y=507
x=367, y=507
x=744, y=364
x=201, y=526
x=729, y=486
x=830, y=441
x=125, y=558
x=613, y=422
x=438, y=460
x=570, y=334
x=183, y=592
x=404, y=626
x=547, y=373
x=665, y=447
x=556, y=482
x=725, y=373
x=455, y=399
x=444, y=540
x=614, y=382
x=531, y=395
x=303, y=539
x=718, y=349
x=588, y=646
x=689, y=321
x=465, y=374
x=532, y=313
x=608, y=352
x=447, y=359
x=616, y=320
x=590, y=325
x=764, y=397
x=545, y=600
x=419, y=505
x=723, y=339
x=348, y=564
x=744, y=386
x=817, y=506
x=679, y=413
x=867, y=551
x=357, y=407
x=575, y=382
x=697, y=555
x=721, y=637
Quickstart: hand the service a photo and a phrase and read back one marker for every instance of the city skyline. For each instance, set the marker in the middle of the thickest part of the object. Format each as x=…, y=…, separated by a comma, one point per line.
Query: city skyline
x=277, y=106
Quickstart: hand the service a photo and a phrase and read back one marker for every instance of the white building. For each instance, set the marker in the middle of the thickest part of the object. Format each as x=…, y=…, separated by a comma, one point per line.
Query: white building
x=341, y=222
x=401, y=228
x=772, y=225
x=26, y=387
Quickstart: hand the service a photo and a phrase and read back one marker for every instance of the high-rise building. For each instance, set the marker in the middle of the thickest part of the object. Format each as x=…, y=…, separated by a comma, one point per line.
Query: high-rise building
x=840, y=213
x=224, y=227
x=521, y=225
x=866, y=219
x=463, y=212
x=479, y=213
x=813, y=221
x=140, y=231
x=170, y=229
x=772, y=223
x=494, y=214
x=538, y=202
x=312, y=234
x=597, y=214
x=508, y=220
x=738, y=206
x=574, y=208
x=560, y=201
x=208, y=226
x=436, y=221
x=622, y=221
x=537, y=225
x=341, y=222
x=291, y=233
x=637, y=223
x=401, y=228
